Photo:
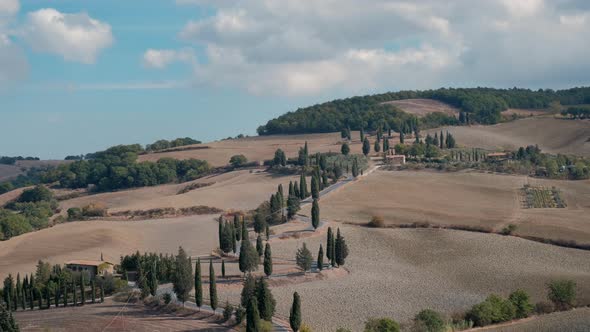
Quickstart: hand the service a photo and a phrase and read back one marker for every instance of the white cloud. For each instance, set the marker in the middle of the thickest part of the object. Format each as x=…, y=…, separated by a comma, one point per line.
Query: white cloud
x=159, y=59
x=76, y=37
x=13, y=64
x=9, y=7
x=298, y=47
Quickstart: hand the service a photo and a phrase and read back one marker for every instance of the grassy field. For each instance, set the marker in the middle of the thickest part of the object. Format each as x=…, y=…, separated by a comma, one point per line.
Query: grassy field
x=552, y=135
x=421, y=107
x=397, y=272
x=115, y=316
x=462, y=198
x=260, y=148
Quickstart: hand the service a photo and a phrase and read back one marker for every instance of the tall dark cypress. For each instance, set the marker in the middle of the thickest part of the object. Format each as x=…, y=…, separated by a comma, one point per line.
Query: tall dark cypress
x=267, y=260
x=65, y=294
x=237, y=227
x=220, y=232
x=75, y=293
x=101, y=293
x=302, y=187
x=93, y=289
x=315, y=214
x=341, y=249
x=329, y=243
x=244, y=235
x=295, y=314
x=82, y=290
x=442, y=140
x=315, y=187
x=212, y=287
x=321, y=258
x=266, y=302
x=198, y=284
x=259, y=246
x=223, y=268
x=291, y=192
x=252, y=316
x=296, y=189
x=56, y=295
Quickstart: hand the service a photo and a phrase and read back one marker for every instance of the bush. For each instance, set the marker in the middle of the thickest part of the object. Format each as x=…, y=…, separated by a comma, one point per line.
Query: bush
x=508, y=230
x=238, y=160
x=75, y=214
x=167, y=298
x=94, y=210
x=266, y=326
x=227, y=312
x=562, y=293
x=304, y=328
x=38, y=194
x=521, y=301
x=240, y=314
x=376, y=222
x=381, y=325
x=430, y=321
x=493, y=310
x=544, y=307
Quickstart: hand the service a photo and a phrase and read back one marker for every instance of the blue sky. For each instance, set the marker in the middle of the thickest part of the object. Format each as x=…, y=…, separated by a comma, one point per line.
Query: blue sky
x=77, y=76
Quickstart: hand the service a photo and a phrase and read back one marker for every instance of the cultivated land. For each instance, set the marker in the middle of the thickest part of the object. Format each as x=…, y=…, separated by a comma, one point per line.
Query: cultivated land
x=115, y=316
x=87, y=239
x=577, y=320
x=397, y=272
x=462, y=198
x=420, y=107
x=551, y=134
x=239, y=190
x=258, y=148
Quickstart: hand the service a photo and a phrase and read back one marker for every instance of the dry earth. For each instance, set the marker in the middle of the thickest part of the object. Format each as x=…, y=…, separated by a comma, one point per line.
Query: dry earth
x=259, y=148
x=526, y=111
x=397, y=272
x=240, y=190
x=462, y=198
x=114, y=316
x=420, y=107
x=87, y=239
x=577, y=320
x=551, y=134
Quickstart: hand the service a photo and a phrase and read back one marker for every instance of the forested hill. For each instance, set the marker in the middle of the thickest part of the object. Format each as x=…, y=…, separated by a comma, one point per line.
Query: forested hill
x=483, y=105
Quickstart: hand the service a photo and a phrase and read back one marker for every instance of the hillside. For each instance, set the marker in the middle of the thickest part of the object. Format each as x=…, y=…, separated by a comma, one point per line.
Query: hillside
x=421, y=107
x=552, y=135
x=8, y=172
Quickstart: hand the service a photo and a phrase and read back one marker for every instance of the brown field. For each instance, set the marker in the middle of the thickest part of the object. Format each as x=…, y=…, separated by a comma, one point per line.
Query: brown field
x=87, y=239
x=421, y=107
x=526, y=111
x=115, y=316
x=577, y=320
x=8, y=172
x=259, y=148
x=552, y=135
x=239, y=190
x=463, y=198
x=397, y=272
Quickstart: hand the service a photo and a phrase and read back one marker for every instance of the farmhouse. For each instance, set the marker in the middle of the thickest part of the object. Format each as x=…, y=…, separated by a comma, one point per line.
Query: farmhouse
x=93, y=268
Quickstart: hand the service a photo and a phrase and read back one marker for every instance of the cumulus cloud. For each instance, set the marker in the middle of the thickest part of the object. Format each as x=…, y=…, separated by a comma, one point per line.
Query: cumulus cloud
x=76, y=37
x=306, y=47
x=159, y=59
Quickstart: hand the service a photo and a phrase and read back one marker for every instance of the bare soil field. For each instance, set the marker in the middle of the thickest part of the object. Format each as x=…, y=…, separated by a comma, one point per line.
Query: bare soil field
x=239, y=190
x=462, y=198
x=421, y=107
x=115, y=316
x=87, y=239
x=397, y=272
x=259, y=148
x=552, y=135
x=577, y=320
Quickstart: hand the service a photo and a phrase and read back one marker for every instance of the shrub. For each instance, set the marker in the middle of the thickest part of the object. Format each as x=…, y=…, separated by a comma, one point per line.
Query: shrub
x=240, y=314
x=562, y=293
x=266, y=326
x=493, y=310
x=238, y=160
x=304, y=328
x=75, y=214
x=376, y=222
x=381, y=325
x=94, y=210
x=37, y=194
x=521, y=301
x=227, y=311
x=431, y=321
x=544, y=307
x=508, y=229
x=167, y=298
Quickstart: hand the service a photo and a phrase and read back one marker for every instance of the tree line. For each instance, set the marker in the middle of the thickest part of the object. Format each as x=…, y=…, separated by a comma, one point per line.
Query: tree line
x=579, y=112
x=5, y=160
x=481, y=105
x=30, y=211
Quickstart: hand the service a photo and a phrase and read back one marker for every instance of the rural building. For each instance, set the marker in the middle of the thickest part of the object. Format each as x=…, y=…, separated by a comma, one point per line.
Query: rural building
x=497, y=156
x=395, y=159
x=93, y=268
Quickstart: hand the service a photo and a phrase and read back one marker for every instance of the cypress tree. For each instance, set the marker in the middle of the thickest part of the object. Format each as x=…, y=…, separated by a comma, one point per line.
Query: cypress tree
x=401, y=138
x=56, y=296
x=267, y=260
x=315, y=187
x=291, y=191
x=324, y=179
x=182, y=283
x=266, y=302
x=442, y=141
x=23, y=299
x=244, y=235
x=39, y=298
x=355, y=168
x=212, y=287
x=296, y=189
x=82, y=290
x=321, y=258
x=362, y=134
x=17, y=291
x=47, y=297
x=234, y=244
x=93, y=289
x=248, y=290
x=248, y=260
x=329, y=243
x=293, y=206
x=345, y=149
x=267, y=232
x=377, y=146
x=101, y=293
x=341, y=249
x=252, y=316
x=198, y=284
x=220, y=233
x=223, y=268
x=237, y=227
x=295, y=314
x=315, y=214
x=259, y=246
x=303, y=187
x=31, y=299
x=366, y=146
x=65, y=295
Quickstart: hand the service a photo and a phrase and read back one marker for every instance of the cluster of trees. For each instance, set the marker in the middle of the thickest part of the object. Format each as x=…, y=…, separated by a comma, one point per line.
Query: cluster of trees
x=117, y=168
x=482, y=105
x=5, y=160
x=7, y=321
x=151, y=270
x=336, y=253
x=54, y=286
x=494, y=309
x=559, y=166
x=30, y=211
x=165, y=144
x=578, y=112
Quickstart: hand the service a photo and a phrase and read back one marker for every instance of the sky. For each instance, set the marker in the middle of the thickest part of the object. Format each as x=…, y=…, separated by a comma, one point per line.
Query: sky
x=77, y=76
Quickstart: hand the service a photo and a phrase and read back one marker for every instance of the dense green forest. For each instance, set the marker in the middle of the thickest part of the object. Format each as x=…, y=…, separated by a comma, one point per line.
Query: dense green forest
x=481, y=105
